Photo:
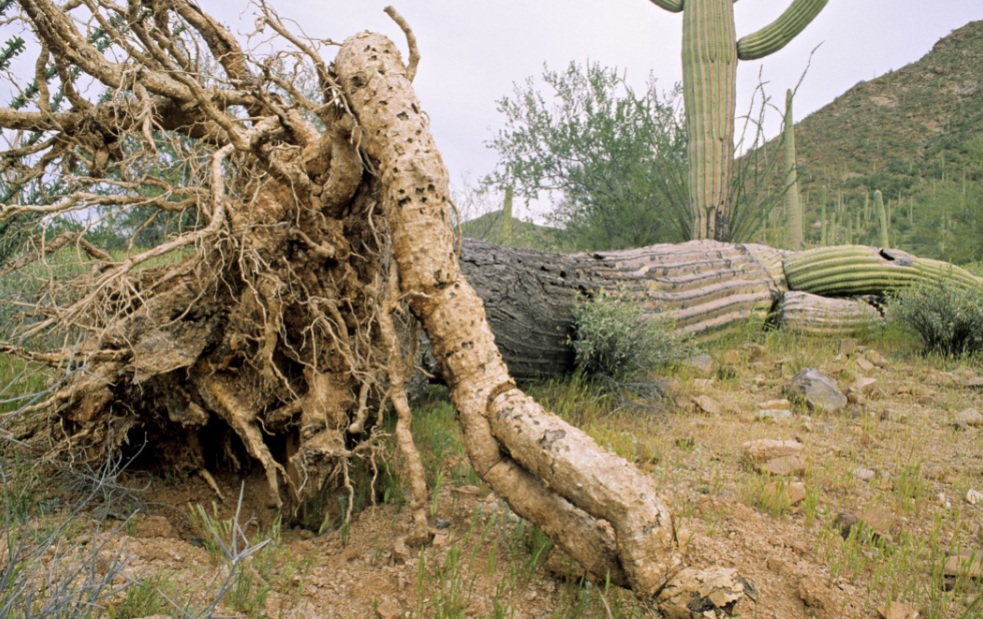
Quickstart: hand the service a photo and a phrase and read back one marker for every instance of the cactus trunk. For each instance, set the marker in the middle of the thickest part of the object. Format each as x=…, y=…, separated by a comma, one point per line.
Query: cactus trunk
x=710, y=54
x=884, y=240
x=507, y=218
x=823, y=222
x=792, y=203
x=710, y=97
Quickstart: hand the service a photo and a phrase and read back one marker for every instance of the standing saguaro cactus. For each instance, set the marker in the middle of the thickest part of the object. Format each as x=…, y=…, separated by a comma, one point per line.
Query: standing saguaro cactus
x=710, y=58
x=792, y=203
x=884, y=238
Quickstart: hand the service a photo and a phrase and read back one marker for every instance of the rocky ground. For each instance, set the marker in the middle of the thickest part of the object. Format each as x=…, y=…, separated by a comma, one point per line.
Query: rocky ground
x=858, y=504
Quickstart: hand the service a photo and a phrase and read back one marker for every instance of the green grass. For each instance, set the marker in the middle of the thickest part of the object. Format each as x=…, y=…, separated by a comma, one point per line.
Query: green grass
x=493, y=558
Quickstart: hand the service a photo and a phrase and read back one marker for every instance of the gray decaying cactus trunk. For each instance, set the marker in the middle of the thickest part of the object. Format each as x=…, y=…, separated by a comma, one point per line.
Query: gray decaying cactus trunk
x=702, y=286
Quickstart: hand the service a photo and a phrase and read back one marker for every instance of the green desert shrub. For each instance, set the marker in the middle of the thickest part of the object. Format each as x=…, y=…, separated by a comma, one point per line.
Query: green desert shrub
x=947, y=317
x=614, y=338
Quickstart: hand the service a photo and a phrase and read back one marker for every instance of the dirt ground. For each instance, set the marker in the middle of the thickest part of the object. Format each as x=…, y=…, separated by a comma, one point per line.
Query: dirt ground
x=902, y=458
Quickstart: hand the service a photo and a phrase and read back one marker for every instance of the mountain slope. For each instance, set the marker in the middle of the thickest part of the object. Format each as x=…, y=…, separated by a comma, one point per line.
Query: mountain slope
x=915, y=134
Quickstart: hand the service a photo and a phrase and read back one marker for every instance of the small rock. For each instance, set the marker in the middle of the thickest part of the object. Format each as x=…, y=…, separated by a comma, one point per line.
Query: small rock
x=863, y=385
x=776, y=493
x=864, y=366
x=876, y=358
x=773, y=404
x=441, y=538
x=813, y=593
x=401, y=552
x=773, y=414
x=387, y=609
x=974, y=496
x=702, y=363
x=707, y=405
x=863, y=474
x=469, y=490
x=765, y=449
x=784, y=466
x=714, y=592
x=819, y=391
x=878, y=522
x=848, y=346
x=968, y=417
x=965, y=565
x=975, y=382
x=845, y=522
x=755, y=351
x=897, y=610
x=702, y=384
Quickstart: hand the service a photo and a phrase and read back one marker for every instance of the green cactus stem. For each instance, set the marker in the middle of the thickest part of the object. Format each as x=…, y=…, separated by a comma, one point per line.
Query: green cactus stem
x=778, y=33
x=507, y=218
x=673, y=6
x=849, y=270
x=792, y=203
x=710, y=55
x=710, y=98
x=881, y=211
x=824, y=226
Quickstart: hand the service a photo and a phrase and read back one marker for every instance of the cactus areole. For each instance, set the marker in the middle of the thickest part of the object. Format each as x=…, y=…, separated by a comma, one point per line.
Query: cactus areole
x=710, y=54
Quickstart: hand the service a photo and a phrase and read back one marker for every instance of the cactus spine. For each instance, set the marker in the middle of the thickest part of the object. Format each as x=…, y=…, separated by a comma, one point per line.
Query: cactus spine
x=792, y=203
x=710, y=56
x=884, y=240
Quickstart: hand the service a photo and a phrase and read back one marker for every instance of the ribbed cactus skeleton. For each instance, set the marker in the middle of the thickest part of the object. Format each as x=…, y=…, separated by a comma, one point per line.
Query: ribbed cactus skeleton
x=710, y=96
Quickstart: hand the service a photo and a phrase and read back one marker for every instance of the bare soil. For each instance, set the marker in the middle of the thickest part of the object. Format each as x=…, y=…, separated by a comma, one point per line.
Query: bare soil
x=920, y=465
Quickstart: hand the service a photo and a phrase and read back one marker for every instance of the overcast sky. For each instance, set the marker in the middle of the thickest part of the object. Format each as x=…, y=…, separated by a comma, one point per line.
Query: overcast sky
x=473, y=52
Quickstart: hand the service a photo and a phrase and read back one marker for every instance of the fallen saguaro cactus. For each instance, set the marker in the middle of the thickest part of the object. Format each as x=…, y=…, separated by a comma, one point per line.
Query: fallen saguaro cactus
x=847, y=270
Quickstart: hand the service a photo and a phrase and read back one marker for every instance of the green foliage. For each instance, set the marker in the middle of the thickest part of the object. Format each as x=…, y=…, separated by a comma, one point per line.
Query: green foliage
x=948, y=318
x=613, y=161
x=614, y=338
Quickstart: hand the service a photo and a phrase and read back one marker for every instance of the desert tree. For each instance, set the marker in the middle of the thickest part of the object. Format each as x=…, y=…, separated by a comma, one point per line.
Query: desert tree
x=613, y=161
x=275, y=329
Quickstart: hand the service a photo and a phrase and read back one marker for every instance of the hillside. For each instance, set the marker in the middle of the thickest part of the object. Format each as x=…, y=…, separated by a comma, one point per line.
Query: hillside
x=488, y=227
x=915, y=134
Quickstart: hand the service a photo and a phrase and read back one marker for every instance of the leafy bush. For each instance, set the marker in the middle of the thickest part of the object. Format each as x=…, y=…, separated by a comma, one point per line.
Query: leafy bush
x=613, y=338
x=947, y=317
